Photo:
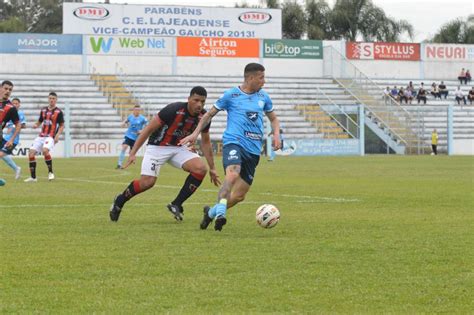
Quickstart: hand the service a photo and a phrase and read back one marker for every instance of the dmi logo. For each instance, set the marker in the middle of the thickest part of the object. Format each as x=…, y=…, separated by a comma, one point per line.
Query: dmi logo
x=255, y=17
x=101, y=43
x=91, y=13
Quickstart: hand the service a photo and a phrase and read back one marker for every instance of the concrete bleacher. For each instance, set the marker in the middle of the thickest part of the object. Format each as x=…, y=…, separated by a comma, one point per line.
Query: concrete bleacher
x=92, y=116
x=433, y=114
x=286, y=93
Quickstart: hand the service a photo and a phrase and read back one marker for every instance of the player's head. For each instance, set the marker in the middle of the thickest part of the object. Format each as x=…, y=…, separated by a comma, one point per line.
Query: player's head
x=254, y=75
x=196, y=100
x=136, y=110
x=52, y=99
x=6, y=91
x=16, y=102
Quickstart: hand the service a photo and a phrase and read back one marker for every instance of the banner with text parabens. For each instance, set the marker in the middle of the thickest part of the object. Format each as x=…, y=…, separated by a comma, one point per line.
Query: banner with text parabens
x=217, y=47
x=383, y=51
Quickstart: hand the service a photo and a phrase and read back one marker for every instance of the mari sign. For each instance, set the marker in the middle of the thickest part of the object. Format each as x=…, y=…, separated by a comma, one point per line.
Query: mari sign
x=166, y=20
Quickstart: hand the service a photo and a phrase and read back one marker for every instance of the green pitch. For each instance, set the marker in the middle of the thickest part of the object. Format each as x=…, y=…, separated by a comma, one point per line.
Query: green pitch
x=369, y=234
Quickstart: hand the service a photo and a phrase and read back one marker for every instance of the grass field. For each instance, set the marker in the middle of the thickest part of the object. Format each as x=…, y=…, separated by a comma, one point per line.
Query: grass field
x=371, y=234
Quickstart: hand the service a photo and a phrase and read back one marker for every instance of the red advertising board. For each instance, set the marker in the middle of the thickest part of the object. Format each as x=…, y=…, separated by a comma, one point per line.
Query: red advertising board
x=383, y=51
x=217, y=47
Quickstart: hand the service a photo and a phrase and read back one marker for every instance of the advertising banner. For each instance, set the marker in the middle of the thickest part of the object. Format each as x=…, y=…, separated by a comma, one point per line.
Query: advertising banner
x=40, y=44
x=217, y=47
x=448, y=52
x=167, y=20
x=383, y=51
x=293, y=48
x=128, y=45
x=308, y=147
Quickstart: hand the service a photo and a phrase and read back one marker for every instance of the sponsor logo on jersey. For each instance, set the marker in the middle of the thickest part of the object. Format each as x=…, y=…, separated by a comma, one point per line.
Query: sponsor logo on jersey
x=252, y=116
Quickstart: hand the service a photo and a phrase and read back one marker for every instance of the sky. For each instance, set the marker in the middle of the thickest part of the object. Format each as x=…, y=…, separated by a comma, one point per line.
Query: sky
x=426, y=16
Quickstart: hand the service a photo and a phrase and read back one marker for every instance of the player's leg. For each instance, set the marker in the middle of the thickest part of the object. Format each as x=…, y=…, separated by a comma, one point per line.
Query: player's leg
x=47, y=149
x=150, y=170
x=5, y=156
x=191, y=163
x=127, y=143
x=35, y=147
x=239, y=191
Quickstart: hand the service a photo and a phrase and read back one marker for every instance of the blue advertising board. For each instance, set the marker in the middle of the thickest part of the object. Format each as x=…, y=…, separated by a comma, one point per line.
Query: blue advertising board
x=26, y=43
x=305, y=147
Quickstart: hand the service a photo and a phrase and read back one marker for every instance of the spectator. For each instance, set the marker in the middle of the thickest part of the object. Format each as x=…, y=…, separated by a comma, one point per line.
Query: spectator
x=460, y=96
x=421, y=96
x=470, y=95
x=435, y=91
x=386, y=94
x=434, y=142
x=468, y=77
x=412, y=89
x=394, y=93
x=443, y=90
x=408, y=96
x=401, y=94
x=462, y=76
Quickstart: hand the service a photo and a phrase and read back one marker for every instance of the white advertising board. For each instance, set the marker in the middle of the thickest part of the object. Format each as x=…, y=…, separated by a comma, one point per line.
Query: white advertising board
x=127, y=45
x=165, y=20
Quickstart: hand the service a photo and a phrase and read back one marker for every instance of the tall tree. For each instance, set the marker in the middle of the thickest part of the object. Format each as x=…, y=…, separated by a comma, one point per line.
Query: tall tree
x=293, y=20
x=317, y=13
x=39, y=16
x=457, y=31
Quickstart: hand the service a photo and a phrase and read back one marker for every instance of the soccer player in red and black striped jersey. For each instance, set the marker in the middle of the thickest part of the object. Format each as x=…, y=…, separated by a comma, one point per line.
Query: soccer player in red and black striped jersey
x=174, y=122
x=8, y=113
x=51, y=120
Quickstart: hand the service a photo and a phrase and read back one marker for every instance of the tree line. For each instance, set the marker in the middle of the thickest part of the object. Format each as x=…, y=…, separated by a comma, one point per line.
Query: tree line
x=350, y=20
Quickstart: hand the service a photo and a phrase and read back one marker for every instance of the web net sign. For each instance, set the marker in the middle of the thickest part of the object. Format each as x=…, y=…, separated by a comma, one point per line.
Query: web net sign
x=176, y=21
x=128, y=45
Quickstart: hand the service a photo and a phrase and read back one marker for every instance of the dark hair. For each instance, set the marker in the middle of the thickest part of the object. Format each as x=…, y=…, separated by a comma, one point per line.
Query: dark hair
x=253, y=67
x=136, y=106
x=6, y=82
x=16, y=99
x=199, y=90
x=53, y=94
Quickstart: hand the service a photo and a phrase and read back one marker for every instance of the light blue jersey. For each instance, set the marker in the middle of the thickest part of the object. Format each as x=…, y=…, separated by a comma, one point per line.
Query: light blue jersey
x=10, y=124
x=135, y=124
x=245, y=118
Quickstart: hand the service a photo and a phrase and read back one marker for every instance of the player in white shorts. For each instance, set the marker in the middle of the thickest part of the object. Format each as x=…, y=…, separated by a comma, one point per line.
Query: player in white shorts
x=174, y=122
x=51, y=120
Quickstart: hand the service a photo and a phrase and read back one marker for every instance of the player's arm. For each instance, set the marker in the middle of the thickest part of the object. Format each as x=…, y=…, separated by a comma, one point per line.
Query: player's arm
x=60, y=131
x=205, y=120
x=17, y=131
x=276, y=143
x=124, y=123
x=154, y=125
x=206, y=148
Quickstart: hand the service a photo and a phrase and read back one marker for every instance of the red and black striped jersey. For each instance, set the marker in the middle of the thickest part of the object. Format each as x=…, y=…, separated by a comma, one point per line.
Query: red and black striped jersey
x=51, y=120
x=8, y=113
x=176, y=123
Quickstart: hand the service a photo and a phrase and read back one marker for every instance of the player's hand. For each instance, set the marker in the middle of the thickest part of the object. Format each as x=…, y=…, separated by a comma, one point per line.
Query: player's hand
x=56, y=140
x=276, y=144
x=188, y=141
x=9, y=144
x=131, y=160
x=214, y=177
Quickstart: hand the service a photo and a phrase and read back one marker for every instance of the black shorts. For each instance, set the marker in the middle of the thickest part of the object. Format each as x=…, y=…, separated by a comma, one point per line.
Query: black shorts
x=233, y=154
x=128, y=142
x=5, y=149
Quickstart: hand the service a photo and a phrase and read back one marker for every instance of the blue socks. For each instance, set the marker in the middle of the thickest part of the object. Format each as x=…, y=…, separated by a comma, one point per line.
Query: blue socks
x=219, y=209
x=8, y=159
x=121, y=158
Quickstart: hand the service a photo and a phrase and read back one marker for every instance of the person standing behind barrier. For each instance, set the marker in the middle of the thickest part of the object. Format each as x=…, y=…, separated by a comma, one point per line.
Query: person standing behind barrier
x=434, y=142
x=6, y=152
x=52, y=120
x=443, y=90
x=135, y=123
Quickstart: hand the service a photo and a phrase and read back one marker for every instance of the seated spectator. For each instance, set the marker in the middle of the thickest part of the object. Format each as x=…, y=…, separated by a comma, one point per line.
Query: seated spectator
x=470, y=95
x=421, y=96
x=462, y=77
x=401, y=94
x=459, y=95
x=386, y=94
x=394, y=93
x=435, y=91
x=443, y=90
x=412, y=88
x=408, y=96
x=468, y=77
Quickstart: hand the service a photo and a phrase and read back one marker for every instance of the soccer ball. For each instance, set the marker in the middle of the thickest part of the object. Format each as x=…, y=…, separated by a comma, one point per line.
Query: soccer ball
x=267, y=216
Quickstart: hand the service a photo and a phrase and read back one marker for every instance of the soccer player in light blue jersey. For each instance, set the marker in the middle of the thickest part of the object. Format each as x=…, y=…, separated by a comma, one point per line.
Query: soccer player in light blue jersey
x=135, y=122
x=5, y=152
x=242, y=140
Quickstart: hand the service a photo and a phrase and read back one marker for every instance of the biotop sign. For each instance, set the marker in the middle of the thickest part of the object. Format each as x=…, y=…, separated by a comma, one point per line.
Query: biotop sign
x=302, y=49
